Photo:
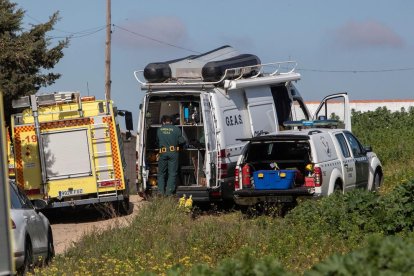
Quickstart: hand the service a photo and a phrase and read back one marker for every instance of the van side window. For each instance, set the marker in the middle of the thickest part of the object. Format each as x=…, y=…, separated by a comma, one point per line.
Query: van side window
x=344, y=147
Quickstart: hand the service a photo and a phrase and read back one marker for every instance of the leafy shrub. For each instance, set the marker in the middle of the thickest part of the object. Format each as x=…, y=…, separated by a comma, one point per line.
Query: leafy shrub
x=350, y=215
x=396, y=209
x=391, y=136
x=382, y=256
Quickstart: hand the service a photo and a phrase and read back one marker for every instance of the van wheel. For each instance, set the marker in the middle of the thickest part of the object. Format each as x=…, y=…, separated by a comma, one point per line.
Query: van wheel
x=28, y=258
x=50, y=247
x=376, y=183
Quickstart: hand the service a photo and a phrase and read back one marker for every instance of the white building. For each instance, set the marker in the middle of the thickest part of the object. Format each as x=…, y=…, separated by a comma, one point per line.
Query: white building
x=366, y=105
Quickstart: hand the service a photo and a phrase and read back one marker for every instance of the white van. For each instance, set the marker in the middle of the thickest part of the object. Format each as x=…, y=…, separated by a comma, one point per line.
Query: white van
x=215, y=98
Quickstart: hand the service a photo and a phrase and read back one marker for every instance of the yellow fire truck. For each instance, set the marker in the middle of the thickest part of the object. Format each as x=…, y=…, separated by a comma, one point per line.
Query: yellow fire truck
x=68, y=150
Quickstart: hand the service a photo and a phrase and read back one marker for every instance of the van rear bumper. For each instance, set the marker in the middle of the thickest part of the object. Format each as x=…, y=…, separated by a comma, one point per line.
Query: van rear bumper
x=200, y=193
x=251, y=196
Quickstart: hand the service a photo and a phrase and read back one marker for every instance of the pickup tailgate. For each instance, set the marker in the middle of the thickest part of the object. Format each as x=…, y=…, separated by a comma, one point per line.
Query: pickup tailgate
x=252, y=196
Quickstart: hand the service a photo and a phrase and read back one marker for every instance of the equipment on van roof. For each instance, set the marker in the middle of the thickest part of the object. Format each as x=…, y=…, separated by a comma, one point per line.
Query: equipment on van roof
x=223, y=66
x=208, y=67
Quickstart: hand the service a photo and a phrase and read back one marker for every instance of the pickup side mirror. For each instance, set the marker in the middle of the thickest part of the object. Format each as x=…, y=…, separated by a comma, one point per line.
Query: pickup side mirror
x=39, y=204
x=368, y=148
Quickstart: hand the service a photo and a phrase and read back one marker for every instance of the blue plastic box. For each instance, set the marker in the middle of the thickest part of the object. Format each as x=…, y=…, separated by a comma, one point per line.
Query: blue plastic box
x=274, y=180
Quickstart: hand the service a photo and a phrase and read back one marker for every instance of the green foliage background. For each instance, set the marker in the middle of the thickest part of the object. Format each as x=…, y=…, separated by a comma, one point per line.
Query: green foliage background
x=391, y=136
x=359, y=233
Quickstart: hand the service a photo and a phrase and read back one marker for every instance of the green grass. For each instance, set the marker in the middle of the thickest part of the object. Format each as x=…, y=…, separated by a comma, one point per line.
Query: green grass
x=163, y=239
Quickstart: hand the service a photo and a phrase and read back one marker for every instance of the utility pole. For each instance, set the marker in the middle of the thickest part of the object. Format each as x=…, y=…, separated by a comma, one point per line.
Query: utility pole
x=108, y=52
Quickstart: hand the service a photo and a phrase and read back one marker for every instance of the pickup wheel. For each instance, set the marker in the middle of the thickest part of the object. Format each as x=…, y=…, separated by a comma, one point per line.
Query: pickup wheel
x=376, y=183
x=338, y=187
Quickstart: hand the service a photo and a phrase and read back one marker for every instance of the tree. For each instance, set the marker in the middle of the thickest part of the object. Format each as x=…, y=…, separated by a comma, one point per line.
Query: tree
x=25, y=55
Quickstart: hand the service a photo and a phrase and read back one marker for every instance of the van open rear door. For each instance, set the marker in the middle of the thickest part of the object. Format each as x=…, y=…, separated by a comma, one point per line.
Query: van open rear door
x=335, y=106
x=261, y=110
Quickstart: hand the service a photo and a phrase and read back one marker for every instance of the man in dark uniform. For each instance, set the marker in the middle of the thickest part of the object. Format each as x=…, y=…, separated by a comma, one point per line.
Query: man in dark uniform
x=169, y=139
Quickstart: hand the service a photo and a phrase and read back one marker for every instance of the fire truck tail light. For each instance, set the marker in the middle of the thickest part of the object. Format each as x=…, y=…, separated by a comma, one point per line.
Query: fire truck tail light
x=109, y=183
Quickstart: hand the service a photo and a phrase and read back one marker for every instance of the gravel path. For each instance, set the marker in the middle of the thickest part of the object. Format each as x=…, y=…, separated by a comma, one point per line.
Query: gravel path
x=70, y=225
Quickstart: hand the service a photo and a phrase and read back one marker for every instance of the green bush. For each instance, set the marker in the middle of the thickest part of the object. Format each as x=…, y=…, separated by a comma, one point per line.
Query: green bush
x=396, y=209
x=382, y=256
x=358, y=213
x=350, y=216
x=391, y=136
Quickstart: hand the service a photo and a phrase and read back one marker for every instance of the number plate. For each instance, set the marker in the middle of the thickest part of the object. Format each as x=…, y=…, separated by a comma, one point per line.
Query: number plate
x=70, y=193
x=279, y=199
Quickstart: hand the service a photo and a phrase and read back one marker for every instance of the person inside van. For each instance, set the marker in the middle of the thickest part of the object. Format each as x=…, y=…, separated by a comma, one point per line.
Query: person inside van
x=169, y=139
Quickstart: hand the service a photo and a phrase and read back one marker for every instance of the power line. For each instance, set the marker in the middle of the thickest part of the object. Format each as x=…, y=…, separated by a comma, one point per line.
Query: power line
x=357, y=71
x=156, y=40
x=80, y=35
x=77, y=34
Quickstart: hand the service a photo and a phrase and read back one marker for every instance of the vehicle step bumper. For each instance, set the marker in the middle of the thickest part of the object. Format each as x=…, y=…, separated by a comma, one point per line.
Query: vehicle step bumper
x=251, y=196
x=72, y=203
x=199, y=193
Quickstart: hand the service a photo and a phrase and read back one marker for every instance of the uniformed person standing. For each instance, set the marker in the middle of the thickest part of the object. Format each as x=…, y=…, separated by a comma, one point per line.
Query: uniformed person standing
x=169, y=139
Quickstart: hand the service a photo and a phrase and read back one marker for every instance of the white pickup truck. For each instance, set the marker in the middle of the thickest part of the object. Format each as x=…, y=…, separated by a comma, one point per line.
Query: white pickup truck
x=305, y=162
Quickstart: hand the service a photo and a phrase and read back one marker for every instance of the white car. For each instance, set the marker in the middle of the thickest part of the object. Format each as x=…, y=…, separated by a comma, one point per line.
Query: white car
x=32, y=234
x=307, y=162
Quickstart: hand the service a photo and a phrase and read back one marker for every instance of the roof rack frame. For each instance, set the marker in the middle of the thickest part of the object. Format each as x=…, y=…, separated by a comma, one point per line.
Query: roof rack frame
x=237, y=71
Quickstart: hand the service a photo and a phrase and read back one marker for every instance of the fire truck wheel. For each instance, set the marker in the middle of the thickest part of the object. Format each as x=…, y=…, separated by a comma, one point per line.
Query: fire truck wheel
x=122, y=207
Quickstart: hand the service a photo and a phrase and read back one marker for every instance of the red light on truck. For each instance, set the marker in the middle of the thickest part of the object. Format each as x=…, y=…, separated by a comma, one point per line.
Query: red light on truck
x=236, y=178
x=318, y=176
x=109, y=183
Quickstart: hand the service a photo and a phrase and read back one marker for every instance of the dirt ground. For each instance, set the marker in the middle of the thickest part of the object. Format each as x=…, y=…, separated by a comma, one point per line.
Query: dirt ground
x=68, y=226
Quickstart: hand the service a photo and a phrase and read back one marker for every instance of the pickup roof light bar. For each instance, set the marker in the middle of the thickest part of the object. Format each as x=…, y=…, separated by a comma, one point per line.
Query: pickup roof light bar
x=312, y=124
x=278, y=137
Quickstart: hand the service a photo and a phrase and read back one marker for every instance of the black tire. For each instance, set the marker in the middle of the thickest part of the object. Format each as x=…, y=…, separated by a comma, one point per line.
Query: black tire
x=28, y=258
x=50, y=247
x=338, y=187
x=125, y=207
x=122, y=207
x=376, y=182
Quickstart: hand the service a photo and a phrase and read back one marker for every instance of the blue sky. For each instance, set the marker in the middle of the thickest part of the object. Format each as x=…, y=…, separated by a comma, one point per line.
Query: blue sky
x=370, y=42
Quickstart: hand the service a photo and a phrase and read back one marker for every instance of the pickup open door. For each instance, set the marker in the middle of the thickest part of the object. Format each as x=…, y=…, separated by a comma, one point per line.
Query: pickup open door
x=335, y=106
